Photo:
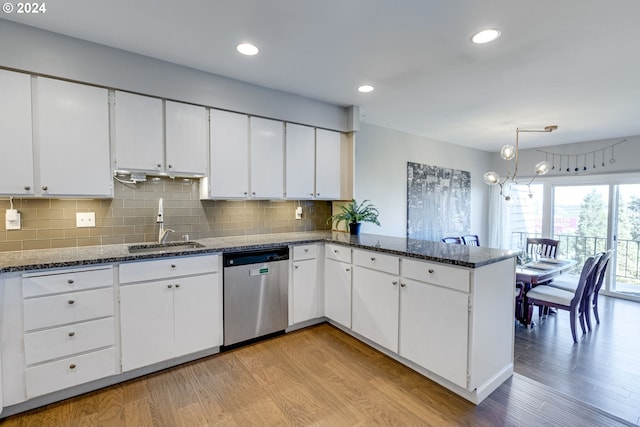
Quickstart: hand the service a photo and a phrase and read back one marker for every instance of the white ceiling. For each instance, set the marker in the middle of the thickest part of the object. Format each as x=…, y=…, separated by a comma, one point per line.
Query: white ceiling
x=572, y=63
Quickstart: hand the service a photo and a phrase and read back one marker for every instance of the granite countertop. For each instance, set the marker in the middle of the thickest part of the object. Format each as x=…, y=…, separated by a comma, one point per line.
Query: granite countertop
x=465, y=256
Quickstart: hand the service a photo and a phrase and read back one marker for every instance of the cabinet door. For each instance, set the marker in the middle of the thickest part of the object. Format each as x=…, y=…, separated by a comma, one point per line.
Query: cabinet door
x=267, y=159
x=146, y=323
x=197, y=313
x=186, y=138
x=72, y=136
x=229, y=155
x=434, y=329
x=337, y=292
x=306, y=291
x=328, y=164
x=375, y=306
x=16, y=162
x=300, y=162
x=139, y=141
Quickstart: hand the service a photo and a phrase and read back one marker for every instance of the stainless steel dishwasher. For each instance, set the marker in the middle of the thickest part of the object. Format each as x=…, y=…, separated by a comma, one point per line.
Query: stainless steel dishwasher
x=255, y=294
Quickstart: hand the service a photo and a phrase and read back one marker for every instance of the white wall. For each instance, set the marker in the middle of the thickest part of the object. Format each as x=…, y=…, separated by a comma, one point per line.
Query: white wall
x=36, y=51
x=381, y=175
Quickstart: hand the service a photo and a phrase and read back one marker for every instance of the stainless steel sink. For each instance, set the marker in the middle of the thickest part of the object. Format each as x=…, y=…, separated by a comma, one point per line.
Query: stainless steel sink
x=163, y=247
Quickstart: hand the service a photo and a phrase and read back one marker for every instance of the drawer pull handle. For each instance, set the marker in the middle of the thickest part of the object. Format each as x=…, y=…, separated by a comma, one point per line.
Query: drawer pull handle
x=177, y=285
x=373, y=258
x=71, y=334
x=70, y=281
x=395, y=282
x=173, y=266
x=169, y=286
x=431, y=270
x=72, y=366
x=71, y=301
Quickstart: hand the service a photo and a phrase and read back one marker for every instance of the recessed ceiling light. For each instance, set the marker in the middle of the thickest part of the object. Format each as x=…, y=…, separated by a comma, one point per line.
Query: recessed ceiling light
x=485, y=36
x=365, y=88
x=247, y=49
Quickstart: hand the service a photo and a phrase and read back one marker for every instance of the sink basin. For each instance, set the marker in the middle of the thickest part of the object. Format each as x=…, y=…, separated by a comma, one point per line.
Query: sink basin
x=163, y=247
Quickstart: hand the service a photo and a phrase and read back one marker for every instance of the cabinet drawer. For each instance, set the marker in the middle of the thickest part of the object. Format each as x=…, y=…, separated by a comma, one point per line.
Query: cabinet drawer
x=305, y=252
x=48, y=377
x=377, y=261
x=67, y=340
x=167, y=267
x=46, y=312
x=338, y=252
x=66, y=281
x=438, y=274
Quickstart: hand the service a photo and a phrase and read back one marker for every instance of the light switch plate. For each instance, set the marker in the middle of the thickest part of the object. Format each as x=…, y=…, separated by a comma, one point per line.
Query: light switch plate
x=85, y=219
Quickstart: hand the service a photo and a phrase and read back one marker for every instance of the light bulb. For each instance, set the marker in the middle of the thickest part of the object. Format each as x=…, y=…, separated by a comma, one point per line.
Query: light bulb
x=508, y=152
x=543, y=167
x=491, y=178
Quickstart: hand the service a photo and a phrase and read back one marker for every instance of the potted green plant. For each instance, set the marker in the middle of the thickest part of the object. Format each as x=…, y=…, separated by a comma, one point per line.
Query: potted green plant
x=353, y=214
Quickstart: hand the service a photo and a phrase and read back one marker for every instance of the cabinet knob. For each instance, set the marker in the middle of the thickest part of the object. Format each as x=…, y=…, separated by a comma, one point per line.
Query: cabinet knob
x=245, y=193
x=173, y=266
x=311, y=194
x=306, y=249
x=335, y=251
x=71, y=302
x=70, y=281
x=159, y=165
x=177, y=285
x=347, y=269
x=403, y=284
x=395, y=282
x=169, y=286
x=170, y=166
x=45, y=188
x=318, y=194
x=71, y=334
x=253, y=193
x=72, y=366
x=431, y=270
x=296, y=266
x=27, y=187
x=373, y=258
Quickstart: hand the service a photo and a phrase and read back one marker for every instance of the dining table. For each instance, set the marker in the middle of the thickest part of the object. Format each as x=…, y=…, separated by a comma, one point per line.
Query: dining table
x=537, y=272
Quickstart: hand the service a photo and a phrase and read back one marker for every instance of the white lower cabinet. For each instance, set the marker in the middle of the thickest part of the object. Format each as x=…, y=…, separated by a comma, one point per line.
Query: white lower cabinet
x=434, y=329
x=166, y=317
x=69, y=328
x=337, y=291
x=306, y=290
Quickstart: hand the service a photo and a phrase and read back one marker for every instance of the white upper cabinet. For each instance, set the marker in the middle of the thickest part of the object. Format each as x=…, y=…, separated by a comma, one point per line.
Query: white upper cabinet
x=16, y=162
x=329, y=166
x=229, y=155
x=138, y=139
x=300, y=161
x=314, y=163
x=267, y=158
x=71, y=134
x=186, y=138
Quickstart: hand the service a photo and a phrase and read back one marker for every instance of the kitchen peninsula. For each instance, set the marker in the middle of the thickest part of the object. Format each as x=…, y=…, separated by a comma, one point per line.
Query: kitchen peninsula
x=443, y=310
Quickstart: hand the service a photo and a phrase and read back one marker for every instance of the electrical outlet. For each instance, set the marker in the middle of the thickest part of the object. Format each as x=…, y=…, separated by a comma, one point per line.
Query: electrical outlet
x=85, y=219
x=299, y=212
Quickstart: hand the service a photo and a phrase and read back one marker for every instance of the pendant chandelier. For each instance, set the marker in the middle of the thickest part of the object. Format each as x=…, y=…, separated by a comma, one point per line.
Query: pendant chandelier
x=509, y=152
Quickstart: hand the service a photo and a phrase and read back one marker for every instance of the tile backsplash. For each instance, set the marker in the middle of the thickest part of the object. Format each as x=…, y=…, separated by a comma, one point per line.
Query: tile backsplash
x=130, y=217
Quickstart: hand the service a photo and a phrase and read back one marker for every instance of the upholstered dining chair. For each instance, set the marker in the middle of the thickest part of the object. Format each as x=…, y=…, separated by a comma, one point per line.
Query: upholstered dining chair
x=548, y=296
x=590, y=295
x=538, y=246
x=456, y=240
x=471, y=240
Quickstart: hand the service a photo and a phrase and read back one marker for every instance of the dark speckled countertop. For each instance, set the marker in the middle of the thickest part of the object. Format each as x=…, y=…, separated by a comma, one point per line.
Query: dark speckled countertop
x=465, y=256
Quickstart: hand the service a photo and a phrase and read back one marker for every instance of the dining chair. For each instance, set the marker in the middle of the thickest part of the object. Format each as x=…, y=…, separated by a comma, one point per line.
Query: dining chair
x=471, y=240
x=548, y=296
x=590, y=295
x=457, y=240
x=538, y=246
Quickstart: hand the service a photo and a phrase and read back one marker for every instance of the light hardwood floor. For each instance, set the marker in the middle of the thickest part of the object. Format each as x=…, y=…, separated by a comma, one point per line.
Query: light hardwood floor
x=318, y=376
